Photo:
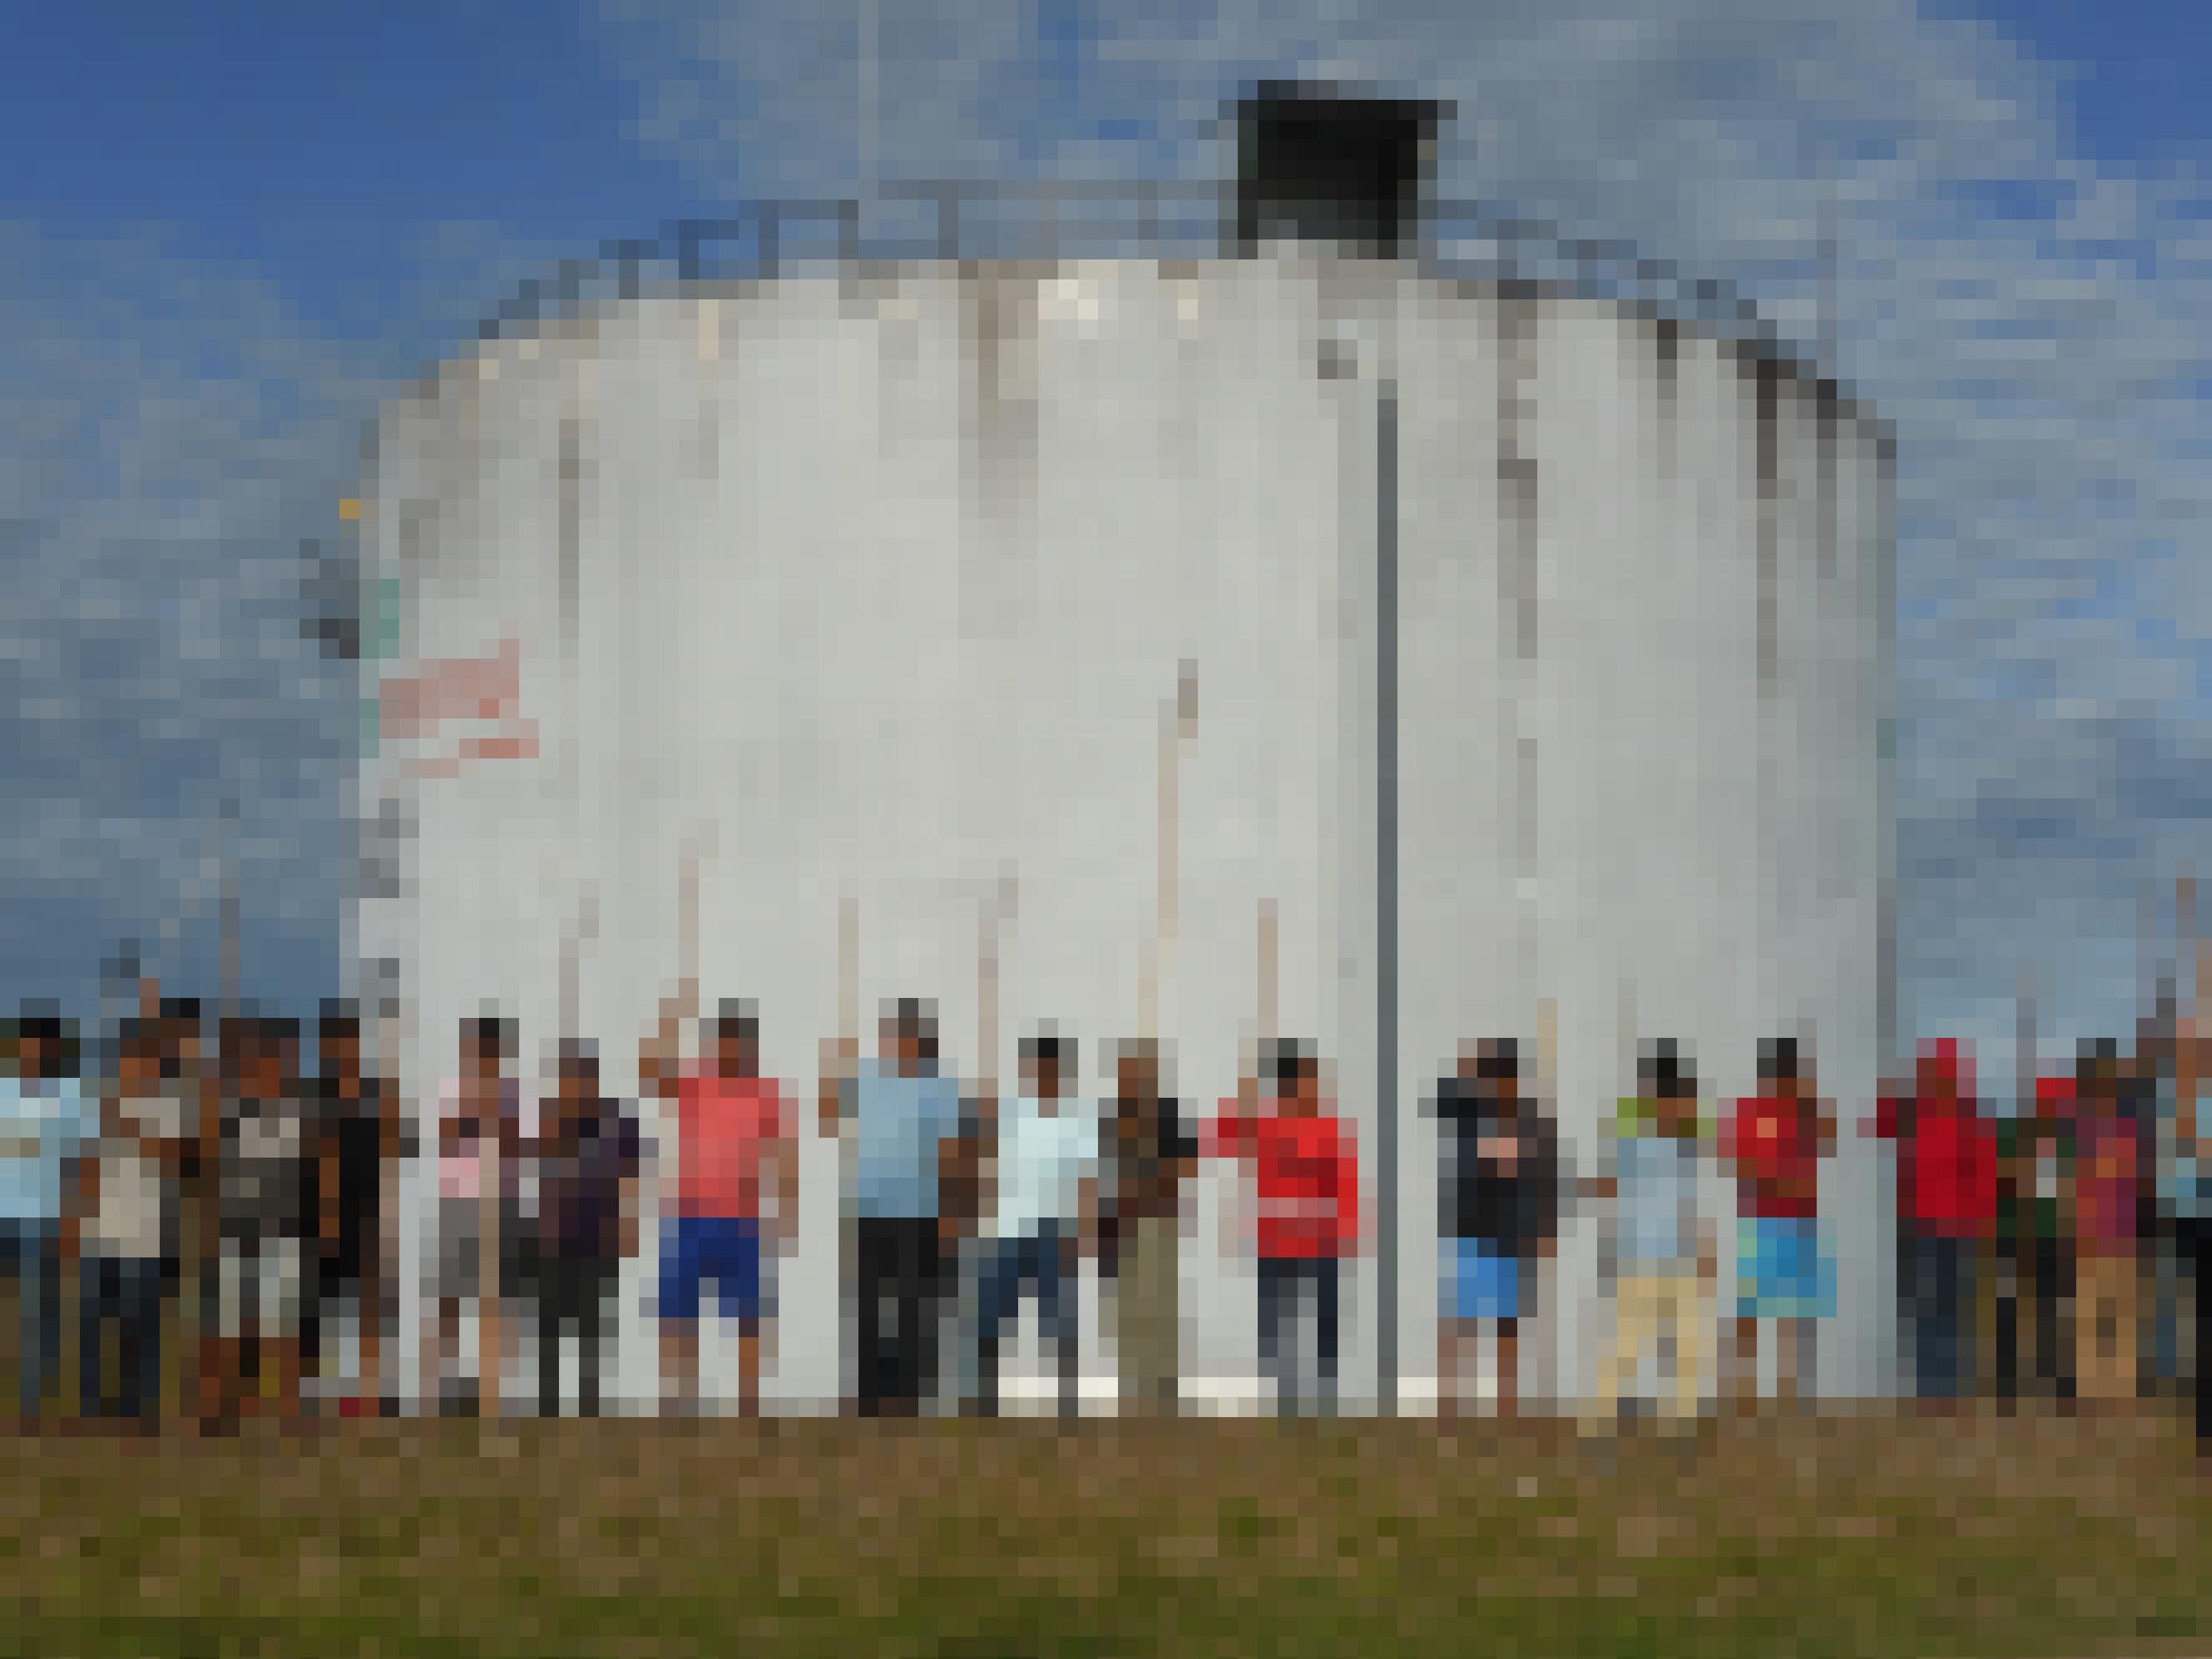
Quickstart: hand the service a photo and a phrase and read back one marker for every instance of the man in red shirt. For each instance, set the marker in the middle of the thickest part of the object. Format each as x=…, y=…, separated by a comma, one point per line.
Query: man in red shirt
x=1774, y=1141
x=734, y=1132
x=1947, y=1201
x=1306, y=1168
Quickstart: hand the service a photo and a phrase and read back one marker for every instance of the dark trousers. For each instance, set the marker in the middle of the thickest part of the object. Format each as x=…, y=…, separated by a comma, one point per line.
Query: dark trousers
x=124, y=1292
x=1939, y=1294
x=2036, y=1279
x=2193, y=1240
x=1036, y=1260
x=32, y=1250
x=1286, y=1282
x=899, y=1273
x=577, y=1291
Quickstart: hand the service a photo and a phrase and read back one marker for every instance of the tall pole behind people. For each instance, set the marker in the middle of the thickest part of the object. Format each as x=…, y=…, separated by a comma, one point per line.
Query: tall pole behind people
x=661, y=1075
x=1545, y=1288
x=1178, y=727
x=840, y=1069
x=2188, y=1176
x=969, y=1192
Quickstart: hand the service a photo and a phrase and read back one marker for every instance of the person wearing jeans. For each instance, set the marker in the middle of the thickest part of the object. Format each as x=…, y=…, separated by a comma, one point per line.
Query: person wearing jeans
x=123, y=1293
x=1288, y=1286
x=572, y=1292
x=907, y=1128
x=1947, y=1187
x=1305, y=1166
x=1043, y=1215
x=1940, y=1288
x=129, y=1210
x=44, y=1126
x=31, y=1250
x=588, y=1159
x=2035, y=1243
x=1043, y=1260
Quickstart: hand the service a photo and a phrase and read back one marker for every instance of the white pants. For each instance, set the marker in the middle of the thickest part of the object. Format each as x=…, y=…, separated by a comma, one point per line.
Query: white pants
x=262, y=1275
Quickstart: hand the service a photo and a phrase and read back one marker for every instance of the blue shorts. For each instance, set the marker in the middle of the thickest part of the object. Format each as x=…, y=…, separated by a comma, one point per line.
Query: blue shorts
x=723, y=1249
x=1780, y=1273
x=1477, y=1280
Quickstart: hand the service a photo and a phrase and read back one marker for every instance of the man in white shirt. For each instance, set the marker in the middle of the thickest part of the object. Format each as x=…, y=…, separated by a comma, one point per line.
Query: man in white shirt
x=44, y=1127
x=129, y=1224
x=1042, y=1217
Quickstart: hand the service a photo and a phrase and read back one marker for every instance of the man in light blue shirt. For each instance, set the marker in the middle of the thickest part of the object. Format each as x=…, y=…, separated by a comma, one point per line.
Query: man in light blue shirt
x=1664, y=1245
x=904, y=1121
x=1044, y=1214
x=45, y=1126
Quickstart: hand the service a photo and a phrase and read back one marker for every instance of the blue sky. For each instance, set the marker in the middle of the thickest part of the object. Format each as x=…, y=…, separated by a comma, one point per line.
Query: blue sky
x=224, y=230
x=322, y=145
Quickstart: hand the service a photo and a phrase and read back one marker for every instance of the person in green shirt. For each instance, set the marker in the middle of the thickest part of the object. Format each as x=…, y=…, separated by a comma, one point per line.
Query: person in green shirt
x=2035, y=1262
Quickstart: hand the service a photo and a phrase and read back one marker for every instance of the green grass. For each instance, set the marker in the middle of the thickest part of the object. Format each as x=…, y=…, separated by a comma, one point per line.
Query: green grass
x=1862, y=1535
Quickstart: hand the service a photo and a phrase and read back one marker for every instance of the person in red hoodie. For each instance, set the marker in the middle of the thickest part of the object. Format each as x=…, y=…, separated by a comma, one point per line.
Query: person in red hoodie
x=1306, y=1168
x=1947, y=1198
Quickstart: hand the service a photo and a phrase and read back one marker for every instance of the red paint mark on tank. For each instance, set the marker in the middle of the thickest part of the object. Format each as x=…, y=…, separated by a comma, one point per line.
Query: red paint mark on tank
x=443, y=710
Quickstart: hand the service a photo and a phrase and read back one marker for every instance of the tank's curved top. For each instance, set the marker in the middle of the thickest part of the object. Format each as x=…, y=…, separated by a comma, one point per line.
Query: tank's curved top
x=969, y=224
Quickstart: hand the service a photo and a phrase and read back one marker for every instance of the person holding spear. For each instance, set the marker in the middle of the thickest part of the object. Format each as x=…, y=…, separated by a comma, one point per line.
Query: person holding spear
x=1149, y=1156
x=736, y=1134
x=1305, y=1168
x=479, y=1137
x=907, y=1124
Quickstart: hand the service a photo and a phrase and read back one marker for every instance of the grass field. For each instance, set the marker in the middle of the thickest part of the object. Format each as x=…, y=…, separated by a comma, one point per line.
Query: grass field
x=1856, y=1535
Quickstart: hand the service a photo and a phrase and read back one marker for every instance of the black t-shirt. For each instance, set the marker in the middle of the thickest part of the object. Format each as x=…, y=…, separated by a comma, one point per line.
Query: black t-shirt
x=266, y=1179
x=580, y=1186
x=1514, y=1211
x=356, y=1129
x=1138, y=1164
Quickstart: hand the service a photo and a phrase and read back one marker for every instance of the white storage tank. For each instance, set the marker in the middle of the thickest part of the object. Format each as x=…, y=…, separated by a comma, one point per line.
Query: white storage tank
x=879, y=574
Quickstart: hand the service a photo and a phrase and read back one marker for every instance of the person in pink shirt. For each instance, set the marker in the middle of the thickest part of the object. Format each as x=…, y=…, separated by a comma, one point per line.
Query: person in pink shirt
x=481, y=1100
x=735, y=1132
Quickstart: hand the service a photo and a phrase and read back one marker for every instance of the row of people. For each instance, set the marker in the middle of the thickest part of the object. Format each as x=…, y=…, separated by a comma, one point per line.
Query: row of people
x=265, y=1199
x=2067, y=1211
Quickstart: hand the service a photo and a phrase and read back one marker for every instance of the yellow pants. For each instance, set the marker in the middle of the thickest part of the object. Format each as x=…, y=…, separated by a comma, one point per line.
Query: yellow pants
x=2107, y=1304
x=1647, y=1306
x=1147, y=1316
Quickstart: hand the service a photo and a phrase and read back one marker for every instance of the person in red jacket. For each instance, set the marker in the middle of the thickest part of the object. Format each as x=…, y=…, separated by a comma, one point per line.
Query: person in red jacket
x=1947, y=1201
x=1305, y=1166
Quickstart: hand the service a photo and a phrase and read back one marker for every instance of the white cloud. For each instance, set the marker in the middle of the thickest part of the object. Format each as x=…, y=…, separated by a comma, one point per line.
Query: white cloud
x=170, y=431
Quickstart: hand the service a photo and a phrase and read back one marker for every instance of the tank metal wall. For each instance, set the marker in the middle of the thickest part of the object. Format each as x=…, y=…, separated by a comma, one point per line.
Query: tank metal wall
x=887, y=579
